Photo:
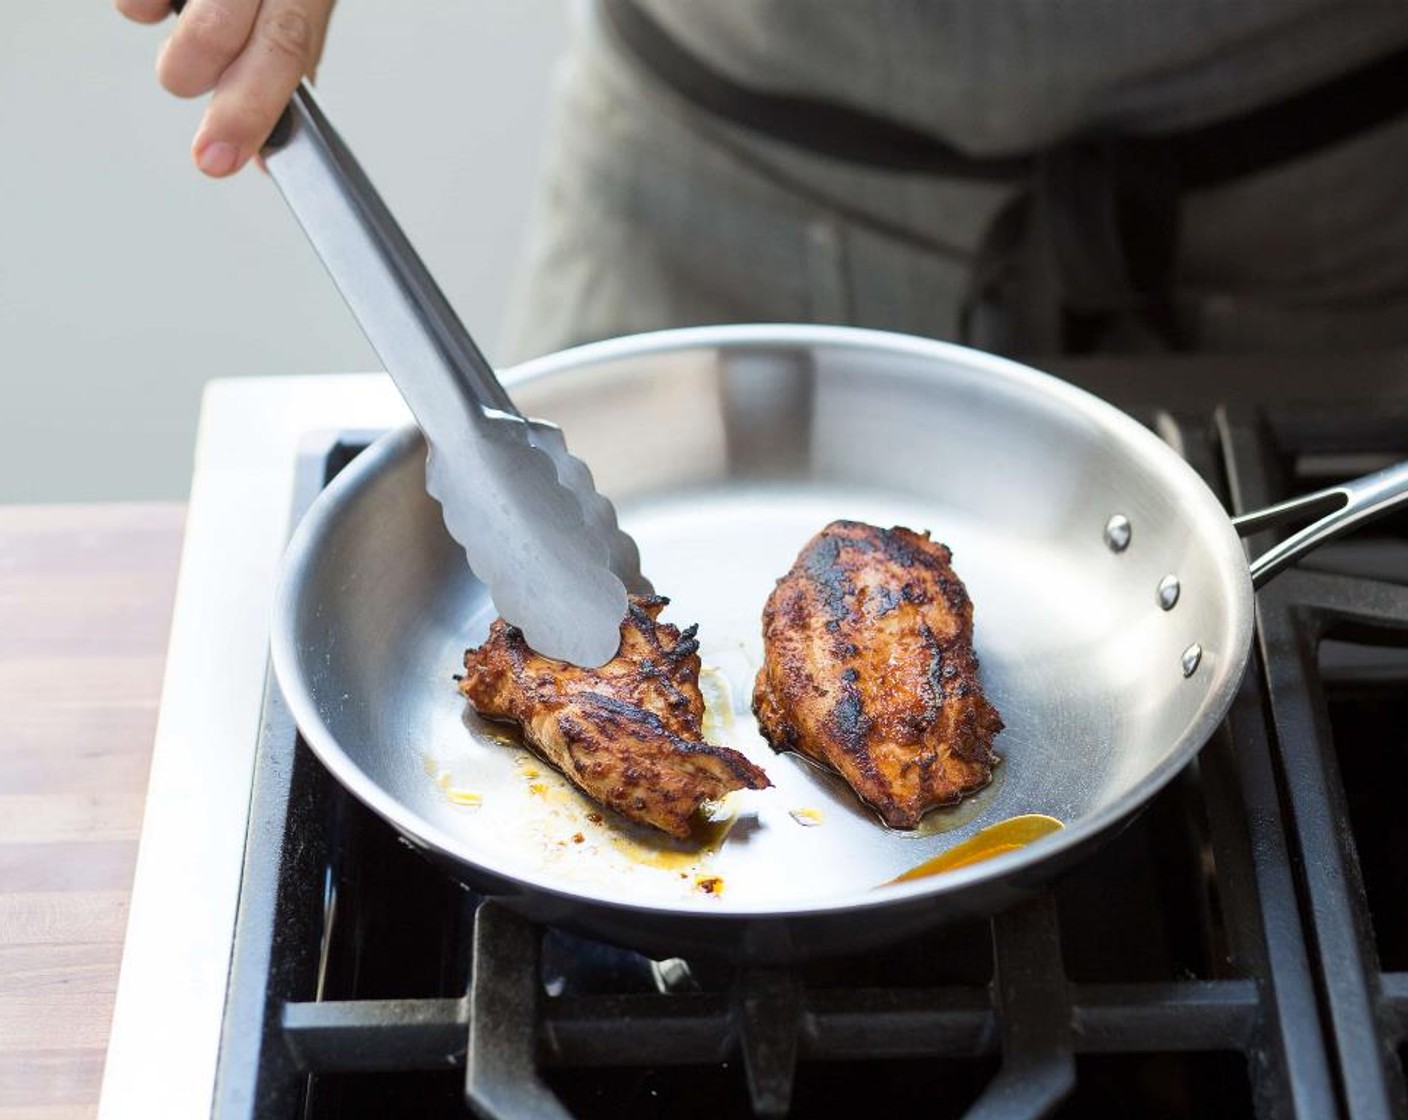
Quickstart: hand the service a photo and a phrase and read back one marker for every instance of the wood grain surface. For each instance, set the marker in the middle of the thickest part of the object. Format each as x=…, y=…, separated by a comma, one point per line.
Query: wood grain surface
x=85, y=604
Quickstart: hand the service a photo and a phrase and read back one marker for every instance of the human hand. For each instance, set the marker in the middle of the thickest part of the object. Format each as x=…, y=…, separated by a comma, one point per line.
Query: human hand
x=251, y=53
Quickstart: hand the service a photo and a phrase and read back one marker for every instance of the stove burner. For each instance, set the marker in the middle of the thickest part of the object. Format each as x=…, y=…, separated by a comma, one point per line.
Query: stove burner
x=1240, y=949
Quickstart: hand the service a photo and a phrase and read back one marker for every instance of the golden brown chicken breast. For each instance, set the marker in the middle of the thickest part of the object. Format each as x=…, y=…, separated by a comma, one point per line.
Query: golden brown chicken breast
x=630, y=734
x=869, y=669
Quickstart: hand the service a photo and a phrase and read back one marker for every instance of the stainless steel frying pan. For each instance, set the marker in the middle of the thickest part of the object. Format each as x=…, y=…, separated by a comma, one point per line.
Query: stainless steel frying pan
x=1113, y=613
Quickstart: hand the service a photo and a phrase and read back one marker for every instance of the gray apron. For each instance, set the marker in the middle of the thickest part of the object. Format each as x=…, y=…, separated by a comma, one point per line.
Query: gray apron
x=654, y=214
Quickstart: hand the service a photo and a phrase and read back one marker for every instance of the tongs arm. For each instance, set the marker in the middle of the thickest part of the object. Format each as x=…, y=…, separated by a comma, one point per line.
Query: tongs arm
x=404, y=313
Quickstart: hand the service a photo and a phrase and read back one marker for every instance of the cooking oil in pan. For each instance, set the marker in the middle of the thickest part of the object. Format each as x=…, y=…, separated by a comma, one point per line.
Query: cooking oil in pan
x=718, y=704
x=995, y=840
x=948, y=817
x=445, y=782
x=945, y=818
x=503, y=733
x=708, y=831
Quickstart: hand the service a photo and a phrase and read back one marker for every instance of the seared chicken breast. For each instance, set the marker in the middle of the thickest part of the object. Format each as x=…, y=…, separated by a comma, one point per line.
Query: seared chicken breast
x=630, y=734
x=869, y=669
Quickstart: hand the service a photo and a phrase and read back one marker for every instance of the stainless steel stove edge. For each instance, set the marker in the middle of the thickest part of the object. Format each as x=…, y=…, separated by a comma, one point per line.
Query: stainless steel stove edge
x=171, y=992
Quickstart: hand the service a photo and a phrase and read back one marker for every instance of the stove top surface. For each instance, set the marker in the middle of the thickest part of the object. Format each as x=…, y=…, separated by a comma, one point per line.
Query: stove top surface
x=1240, y=949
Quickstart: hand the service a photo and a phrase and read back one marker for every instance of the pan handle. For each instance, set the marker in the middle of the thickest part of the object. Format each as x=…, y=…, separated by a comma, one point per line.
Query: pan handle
x=1337, y=510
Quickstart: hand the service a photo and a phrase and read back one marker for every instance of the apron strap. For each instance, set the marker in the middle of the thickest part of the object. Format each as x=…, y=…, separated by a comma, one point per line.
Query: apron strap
x=1093, y=241
x=1093, y=238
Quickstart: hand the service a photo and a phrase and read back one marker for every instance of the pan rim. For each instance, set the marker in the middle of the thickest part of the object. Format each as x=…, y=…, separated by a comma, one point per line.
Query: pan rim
x=303, y=550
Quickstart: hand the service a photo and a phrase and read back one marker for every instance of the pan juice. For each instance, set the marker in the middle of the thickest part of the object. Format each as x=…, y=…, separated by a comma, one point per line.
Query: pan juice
x=946, y=818
x=708, y=831
x=988, y=843
x=719, y=722
x=941, y=819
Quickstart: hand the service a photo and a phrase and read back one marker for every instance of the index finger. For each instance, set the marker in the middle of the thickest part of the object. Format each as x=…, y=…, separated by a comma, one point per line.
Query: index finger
x=144, y=11
x=253, y=91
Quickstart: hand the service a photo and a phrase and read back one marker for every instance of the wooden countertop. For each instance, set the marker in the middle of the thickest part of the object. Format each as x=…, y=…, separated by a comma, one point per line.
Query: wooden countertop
x=85, y=604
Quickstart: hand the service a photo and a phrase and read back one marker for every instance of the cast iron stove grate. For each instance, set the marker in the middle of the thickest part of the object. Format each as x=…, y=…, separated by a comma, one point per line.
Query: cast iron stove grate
x=1171, y=974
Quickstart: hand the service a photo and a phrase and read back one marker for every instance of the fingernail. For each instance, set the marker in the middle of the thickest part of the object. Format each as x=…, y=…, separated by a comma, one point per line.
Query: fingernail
x=217, y=158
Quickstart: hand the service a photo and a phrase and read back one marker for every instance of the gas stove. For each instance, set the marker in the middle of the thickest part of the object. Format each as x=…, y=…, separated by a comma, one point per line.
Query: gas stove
x=1241, y=949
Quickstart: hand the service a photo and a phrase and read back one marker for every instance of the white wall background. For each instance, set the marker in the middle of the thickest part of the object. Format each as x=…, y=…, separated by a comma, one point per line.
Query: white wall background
x=127, y=279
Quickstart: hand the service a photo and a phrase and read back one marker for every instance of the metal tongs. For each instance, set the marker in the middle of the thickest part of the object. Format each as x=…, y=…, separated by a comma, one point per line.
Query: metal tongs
x=526, y=511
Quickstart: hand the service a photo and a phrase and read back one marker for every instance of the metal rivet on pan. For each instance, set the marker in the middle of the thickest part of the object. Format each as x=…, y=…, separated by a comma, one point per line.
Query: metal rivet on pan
x=1118, y=532
x=1191, y=656
x=1169, y=587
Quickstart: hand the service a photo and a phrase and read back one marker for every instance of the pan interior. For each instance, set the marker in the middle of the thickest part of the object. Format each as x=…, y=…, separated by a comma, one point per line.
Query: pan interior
x=723, y=461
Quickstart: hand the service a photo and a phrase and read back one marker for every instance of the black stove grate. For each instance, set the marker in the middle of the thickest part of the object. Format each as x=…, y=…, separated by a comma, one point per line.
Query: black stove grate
x=1219, y=958
x=1328, y=724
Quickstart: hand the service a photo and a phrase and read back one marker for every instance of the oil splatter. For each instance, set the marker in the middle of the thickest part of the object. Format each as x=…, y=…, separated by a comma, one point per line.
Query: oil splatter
x=445, y=782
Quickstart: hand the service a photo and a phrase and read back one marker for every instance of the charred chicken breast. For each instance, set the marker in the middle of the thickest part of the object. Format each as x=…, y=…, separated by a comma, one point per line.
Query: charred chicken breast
x=630, y=734
x=869, y=669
